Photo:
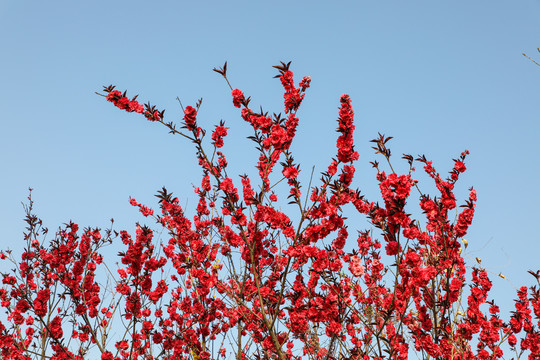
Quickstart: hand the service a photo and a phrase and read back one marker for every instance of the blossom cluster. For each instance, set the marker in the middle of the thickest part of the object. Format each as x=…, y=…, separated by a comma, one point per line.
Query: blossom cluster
x=131, y=105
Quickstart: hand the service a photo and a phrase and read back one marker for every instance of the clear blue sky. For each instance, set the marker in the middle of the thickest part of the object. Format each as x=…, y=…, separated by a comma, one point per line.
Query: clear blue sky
x=439, y=76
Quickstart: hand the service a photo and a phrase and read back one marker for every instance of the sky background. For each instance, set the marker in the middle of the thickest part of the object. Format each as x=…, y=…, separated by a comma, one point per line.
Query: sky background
x=439, y=76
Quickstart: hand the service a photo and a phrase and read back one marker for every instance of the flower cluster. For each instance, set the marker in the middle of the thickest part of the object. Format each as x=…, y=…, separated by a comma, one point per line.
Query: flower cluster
x=123, y=102
x=345, y=142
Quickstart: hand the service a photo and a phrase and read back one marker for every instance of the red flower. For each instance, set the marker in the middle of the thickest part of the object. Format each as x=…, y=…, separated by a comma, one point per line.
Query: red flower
x=114, y=95
x=290, y=172
x=460, y=166
x=305, y=83
x=227, y=186
x=392, y=248
x=332, y=168
x=512, y=341
x=218, y=134
x=55, y=328
x=238, y=97
x=123, y=103
x=334, y=328
x=190, y=116
x=146, y=211
x=135, y=106
x=40, y=303
x=22, y=306
x=355, y=266
x=107, y=355
x=147, y=325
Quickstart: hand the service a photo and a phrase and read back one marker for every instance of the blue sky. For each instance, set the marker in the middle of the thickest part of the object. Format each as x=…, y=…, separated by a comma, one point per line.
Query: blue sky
x=440, y=77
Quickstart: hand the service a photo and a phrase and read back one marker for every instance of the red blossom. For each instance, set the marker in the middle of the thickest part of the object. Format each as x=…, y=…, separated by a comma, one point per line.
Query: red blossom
x=355, y=266
x=290, y=172
x=190, y=116
x=55, y=328
x=460, y=167
x=238, y=97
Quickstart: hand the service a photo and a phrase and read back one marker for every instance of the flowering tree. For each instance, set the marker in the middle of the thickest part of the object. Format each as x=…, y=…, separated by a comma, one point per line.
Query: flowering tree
x=240, y=279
